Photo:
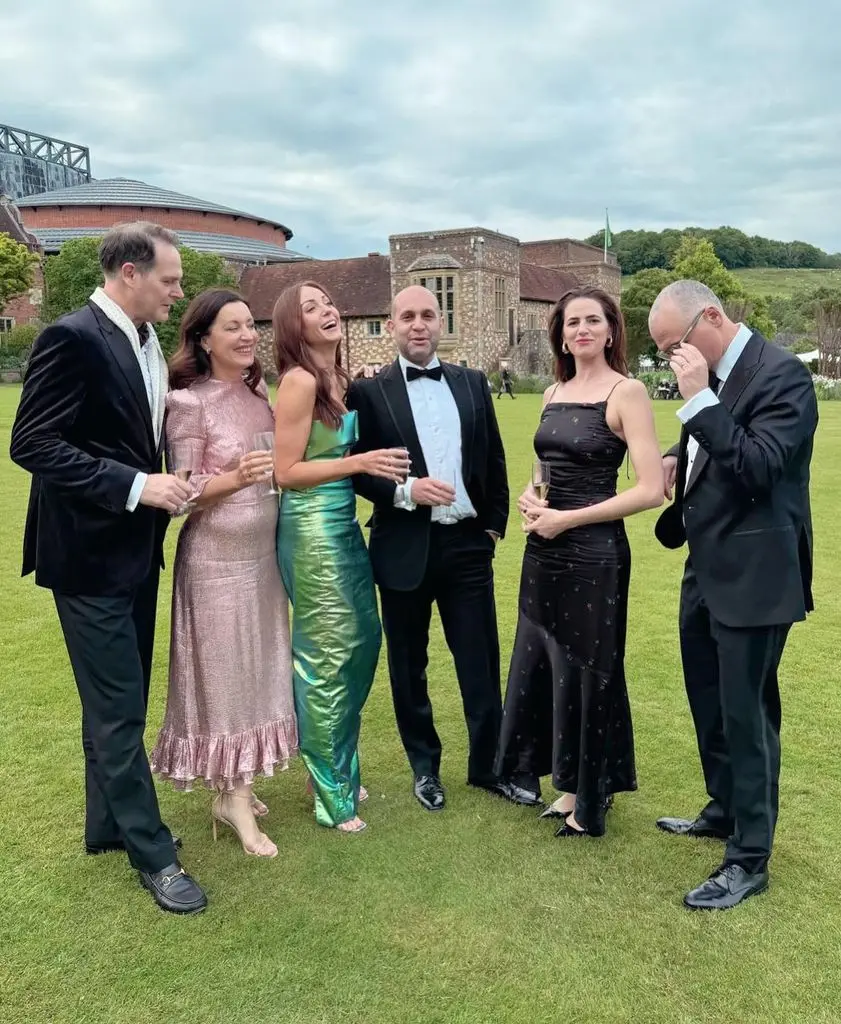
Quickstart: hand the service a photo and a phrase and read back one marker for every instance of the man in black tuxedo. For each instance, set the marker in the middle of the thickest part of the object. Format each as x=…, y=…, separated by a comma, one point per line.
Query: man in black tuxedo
x=741, y=501
x=89, y=428
x=433, y=537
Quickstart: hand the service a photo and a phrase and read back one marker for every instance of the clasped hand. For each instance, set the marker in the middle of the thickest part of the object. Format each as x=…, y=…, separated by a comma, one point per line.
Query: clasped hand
x=254, y=467
x=539, y=518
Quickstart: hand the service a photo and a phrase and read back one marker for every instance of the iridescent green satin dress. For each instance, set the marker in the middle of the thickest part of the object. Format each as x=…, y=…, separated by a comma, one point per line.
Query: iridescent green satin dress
x=336, y=633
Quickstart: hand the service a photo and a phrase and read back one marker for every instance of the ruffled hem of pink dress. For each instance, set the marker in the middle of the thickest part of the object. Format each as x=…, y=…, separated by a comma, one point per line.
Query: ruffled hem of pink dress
x=224, y=762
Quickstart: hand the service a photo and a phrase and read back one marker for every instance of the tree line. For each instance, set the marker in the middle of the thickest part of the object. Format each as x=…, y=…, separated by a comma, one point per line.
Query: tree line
x=645, y=250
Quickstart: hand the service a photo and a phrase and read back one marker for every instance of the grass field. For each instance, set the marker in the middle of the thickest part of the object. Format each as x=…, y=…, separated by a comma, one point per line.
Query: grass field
x=776, y=281
x=471, y=916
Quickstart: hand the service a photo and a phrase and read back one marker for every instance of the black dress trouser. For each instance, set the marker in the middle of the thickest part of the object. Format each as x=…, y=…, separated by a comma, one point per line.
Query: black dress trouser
x=459, y=579
x=110, y=642
x=731, y=682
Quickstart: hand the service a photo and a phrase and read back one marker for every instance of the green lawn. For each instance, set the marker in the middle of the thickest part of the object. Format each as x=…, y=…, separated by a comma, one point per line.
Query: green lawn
x=475, y=915
x=778, y=281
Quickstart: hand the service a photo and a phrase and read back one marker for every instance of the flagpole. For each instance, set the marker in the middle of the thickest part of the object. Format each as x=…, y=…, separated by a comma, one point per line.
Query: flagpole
x=605, y=234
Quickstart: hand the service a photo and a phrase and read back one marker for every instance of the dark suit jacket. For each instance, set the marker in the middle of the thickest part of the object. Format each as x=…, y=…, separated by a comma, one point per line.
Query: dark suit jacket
x=83, y=430
x=745, y=510
x=399, y=543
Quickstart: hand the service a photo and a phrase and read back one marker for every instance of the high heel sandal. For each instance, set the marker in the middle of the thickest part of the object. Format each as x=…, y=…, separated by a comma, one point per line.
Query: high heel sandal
x=265, y=847
x=352, y=826
x=553, y=811
x=258, y=808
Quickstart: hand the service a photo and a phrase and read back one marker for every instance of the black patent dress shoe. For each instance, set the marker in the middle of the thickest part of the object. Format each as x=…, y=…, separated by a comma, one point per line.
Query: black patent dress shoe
x=174, y=890
x=700, y=828
x=429, y=792
x=118, y=846
x=727, y=887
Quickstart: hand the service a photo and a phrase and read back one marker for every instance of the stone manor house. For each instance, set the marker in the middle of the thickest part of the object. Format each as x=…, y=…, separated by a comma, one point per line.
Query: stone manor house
x=495, y=292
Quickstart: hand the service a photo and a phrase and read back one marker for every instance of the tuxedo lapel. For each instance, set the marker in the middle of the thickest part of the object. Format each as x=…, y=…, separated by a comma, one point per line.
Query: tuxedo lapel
x=392, y=387
x=465, y=403
x=732, y=390
x=119, y=347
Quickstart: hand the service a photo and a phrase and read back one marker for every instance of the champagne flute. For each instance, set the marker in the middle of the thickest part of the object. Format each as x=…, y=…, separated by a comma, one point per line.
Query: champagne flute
x=264, y=442
x=181, y=459
x=540, y=476
x=448, y=512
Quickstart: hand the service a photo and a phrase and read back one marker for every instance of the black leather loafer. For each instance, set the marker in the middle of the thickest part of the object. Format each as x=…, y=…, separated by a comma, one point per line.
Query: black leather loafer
x=699, y=828
x=93, y=849
x=174, y=890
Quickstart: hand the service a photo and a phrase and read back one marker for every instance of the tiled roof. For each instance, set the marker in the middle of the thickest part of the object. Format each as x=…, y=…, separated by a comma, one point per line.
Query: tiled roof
x=234, y=247
x=11, y=224
x=434, y=261
x=359, y=287
x=543, y=284
x=128, y=192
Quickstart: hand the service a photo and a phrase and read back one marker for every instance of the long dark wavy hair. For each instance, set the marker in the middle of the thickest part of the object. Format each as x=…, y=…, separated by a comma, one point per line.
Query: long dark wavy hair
x=291, y=349
x=190, y=362
x=615, y=356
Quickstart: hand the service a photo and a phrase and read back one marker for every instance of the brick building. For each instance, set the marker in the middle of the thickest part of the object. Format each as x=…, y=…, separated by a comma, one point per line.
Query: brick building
x=495, y=293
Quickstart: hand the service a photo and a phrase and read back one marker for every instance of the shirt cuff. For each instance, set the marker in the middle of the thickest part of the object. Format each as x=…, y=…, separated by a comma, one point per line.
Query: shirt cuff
x=703, y=400
x=403, y=495
x=136, y=491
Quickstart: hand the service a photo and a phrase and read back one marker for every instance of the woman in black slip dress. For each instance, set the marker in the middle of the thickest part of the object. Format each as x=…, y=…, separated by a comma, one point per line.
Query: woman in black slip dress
x=566, y=704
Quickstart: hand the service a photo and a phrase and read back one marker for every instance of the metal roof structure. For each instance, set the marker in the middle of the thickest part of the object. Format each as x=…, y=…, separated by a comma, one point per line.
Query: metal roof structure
x=234, y=247
x=129, y=192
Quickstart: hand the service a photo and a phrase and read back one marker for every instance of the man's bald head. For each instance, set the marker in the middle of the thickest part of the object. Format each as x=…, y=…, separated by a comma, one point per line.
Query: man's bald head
x=415, y=324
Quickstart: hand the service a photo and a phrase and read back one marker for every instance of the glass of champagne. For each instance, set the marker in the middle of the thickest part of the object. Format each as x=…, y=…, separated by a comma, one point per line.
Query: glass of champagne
x=181, y=459
x=448, y=512
x=540, y=475
x=264, y=442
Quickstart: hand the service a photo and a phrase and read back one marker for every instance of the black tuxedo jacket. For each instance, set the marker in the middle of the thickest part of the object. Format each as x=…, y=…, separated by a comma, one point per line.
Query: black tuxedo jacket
x=399, y=543
x=745, y=509
x=83, y=429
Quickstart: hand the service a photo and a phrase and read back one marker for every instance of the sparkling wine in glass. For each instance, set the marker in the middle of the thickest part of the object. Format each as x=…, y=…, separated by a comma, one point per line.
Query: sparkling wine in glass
x=448, y=512
x=181, y=459
x=540, y=474
x=264, y=442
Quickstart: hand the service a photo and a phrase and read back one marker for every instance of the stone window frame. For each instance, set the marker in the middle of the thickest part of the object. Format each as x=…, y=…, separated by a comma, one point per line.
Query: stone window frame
x=442, y=294
x=6, y=324
x=374, y=329
x=499, y=305
x=531, y=321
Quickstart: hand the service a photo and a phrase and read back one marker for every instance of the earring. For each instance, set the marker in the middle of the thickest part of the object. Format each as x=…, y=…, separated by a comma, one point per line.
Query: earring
x=608, y=343
x=564, y=348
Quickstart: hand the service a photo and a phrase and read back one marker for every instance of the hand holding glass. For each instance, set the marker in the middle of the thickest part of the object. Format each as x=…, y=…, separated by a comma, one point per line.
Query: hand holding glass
x=540, y=475
x=264, y=442
x=448, y=513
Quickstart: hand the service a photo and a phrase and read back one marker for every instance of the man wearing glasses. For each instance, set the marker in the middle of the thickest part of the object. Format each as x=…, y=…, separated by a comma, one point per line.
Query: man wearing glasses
x=740, y=476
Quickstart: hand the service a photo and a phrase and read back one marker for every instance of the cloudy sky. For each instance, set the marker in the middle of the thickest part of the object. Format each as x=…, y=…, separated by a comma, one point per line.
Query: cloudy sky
x=348, y=121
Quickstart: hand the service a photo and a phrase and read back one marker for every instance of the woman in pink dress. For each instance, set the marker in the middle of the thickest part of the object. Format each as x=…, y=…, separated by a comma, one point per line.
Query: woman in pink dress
x=230, y=714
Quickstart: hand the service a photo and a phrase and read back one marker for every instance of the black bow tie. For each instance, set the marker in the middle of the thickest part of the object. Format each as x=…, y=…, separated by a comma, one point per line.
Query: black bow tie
x=714, y=381
x=143, y=334
x=413, y=372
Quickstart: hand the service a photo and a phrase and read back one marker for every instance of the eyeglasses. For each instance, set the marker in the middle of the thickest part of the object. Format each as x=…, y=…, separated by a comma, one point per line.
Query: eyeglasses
x=664, y=355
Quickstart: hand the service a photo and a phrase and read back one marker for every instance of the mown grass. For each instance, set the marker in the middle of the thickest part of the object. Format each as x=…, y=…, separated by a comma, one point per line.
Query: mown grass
x=779, y=281
x=474, y=915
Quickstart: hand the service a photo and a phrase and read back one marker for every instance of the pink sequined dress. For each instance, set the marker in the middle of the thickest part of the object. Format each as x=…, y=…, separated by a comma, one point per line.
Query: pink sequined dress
x=230, y=715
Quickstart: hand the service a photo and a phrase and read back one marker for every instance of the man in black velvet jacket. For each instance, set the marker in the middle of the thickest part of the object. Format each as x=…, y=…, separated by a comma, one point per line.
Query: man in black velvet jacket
x=89, y=428
x=740, y=474
x=433, y=538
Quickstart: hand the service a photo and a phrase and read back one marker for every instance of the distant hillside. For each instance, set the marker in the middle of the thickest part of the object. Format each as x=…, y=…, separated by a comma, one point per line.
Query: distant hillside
x=776, y=281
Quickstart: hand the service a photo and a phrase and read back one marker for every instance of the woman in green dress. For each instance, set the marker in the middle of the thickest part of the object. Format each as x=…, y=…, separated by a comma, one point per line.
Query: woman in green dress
x=336, y=632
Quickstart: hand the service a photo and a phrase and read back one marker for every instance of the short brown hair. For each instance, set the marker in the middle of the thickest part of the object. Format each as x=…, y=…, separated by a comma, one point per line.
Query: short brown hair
x=616, y=355
x=133, y=243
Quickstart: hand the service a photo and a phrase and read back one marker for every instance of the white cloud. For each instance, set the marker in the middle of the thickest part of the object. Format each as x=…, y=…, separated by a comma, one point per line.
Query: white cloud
x=349, y=122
